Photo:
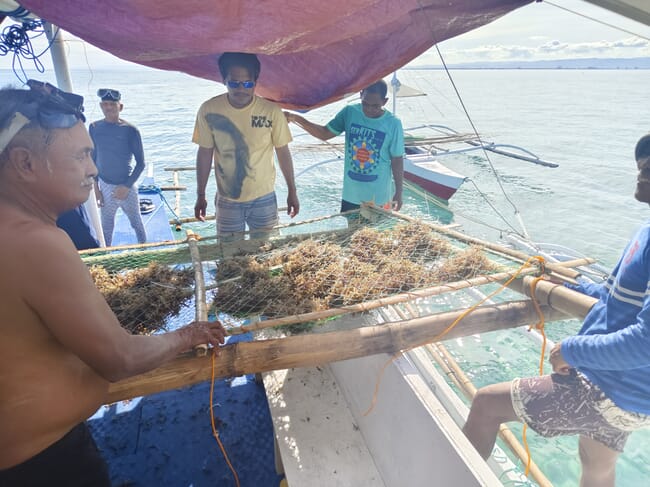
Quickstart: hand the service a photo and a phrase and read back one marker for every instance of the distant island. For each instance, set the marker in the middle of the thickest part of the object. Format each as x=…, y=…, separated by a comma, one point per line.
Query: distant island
x=587, y=63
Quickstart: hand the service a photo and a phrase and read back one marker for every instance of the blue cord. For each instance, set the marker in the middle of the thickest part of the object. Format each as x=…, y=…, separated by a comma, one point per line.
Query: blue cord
x=16, y=39
x=152, y=188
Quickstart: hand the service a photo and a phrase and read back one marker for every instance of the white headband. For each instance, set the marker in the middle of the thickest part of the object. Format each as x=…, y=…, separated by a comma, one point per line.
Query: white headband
x=18, y=121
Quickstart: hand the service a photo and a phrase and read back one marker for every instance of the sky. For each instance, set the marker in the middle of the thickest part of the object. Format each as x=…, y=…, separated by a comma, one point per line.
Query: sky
x=542, y=31
x=538, y=31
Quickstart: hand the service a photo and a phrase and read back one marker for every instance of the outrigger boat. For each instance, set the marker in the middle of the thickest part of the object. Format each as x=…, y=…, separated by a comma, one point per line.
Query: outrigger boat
x=357, y=401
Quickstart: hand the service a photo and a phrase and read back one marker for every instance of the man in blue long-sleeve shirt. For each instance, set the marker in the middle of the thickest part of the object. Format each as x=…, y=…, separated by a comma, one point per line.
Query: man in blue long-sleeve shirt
x=117, y=142
x=600, y=388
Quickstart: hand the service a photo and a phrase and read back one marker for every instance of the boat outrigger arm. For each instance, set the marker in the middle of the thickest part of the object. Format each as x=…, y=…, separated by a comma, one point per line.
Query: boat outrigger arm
x=476, y=144
x=449, y=135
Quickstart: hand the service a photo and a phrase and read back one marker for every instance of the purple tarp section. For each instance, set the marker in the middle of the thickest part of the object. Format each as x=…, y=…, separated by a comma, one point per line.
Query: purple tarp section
x=312, y=51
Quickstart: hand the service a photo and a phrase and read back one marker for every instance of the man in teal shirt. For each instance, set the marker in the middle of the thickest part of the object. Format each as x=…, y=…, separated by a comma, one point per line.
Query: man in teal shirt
x=374, y=148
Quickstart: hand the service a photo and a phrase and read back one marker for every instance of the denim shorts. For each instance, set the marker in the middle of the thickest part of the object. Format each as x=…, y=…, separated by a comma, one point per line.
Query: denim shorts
x=555, y=405
x=259, y=214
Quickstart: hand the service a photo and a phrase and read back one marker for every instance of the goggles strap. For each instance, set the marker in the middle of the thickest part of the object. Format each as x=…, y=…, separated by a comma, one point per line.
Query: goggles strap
x=18, y=121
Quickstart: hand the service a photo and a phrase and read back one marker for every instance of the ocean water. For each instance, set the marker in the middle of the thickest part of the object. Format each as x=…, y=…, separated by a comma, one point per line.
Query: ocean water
x=586, y=121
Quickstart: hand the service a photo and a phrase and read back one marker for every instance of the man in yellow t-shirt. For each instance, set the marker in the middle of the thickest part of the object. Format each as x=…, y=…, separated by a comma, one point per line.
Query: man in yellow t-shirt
x=240, y=131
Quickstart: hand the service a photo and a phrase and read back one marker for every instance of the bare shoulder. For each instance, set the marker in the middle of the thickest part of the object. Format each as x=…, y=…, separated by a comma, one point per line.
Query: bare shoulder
x=33, y=250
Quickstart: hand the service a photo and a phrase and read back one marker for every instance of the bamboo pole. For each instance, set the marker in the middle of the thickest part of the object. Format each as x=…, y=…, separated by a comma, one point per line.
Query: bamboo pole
x=378, y=303
x=177, y=204
x=201, y=312
x=447, y=363
x=180, y=168
x=556, y=296
x=317, y=349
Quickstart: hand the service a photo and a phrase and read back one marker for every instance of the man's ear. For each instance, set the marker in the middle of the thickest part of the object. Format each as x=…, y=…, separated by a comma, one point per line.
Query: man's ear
x=385, y=101
x=22, y=160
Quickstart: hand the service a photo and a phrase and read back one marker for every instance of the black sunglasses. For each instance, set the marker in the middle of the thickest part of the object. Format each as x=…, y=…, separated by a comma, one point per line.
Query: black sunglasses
x=55, y=108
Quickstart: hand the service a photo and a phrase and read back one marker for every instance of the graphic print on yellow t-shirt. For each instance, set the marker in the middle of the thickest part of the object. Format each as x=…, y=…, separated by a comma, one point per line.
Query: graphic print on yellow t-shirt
x=244, y=141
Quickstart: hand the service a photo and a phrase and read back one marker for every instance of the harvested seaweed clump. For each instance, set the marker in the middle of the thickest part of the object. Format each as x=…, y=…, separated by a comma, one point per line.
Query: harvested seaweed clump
x=143, y=299
x=315, y=275
x=469, y=263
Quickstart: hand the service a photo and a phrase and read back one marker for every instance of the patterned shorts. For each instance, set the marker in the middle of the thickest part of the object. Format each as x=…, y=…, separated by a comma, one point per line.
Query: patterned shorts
x=260, y=214
x=555, y=405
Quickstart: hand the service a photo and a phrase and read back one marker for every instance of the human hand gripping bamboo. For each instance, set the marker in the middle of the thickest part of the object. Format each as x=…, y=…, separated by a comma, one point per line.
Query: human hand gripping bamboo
x=560, y=366
x=198, y=335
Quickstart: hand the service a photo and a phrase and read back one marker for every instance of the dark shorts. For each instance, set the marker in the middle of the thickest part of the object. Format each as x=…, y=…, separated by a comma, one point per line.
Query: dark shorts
x=347, y=206
x=73, y=461
x=555, y=405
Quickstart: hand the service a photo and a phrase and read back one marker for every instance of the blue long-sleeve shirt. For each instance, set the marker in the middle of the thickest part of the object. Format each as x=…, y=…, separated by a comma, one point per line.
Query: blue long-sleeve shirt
x=613, y=346
x=115, y=145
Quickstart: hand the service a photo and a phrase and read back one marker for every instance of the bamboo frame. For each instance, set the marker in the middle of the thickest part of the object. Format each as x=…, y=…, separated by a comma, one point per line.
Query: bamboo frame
x=378, y=303
x=310, y=350
x=515, y=254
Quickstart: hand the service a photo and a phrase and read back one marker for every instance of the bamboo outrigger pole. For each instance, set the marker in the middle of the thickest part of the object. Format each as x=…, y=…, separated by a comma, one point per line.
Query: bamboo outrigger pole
x=316, y=349
x=447, y=363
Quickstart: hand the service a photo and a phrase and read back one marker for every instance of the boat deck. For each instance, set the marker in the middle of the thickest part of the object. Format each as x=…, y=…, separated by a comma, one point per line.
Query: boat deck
x=155, y=223
x=166, y=440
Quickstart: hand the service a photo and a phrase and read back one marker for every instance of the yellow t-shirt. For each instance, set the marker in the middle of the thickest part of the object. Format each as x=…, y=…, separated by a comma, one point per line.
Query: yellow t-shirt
x=244, y=140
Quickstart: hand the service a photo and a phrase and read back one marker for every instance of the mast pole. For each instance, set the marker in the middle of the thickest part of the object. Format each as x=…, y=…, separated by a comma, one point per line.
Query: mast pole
x=64, y=82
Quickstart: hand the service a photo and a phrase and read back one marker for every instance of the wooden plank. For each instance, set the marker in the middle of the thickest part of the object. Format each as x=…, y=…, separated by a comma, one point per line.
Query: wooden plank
x=317, y=436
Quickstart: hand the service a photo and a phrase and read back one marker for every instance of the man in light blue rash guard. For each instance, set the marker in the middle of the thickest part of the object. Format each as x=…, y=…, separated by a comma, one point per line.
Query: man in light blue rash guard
x=374, y=148
x=600, y=388
x=117, y=142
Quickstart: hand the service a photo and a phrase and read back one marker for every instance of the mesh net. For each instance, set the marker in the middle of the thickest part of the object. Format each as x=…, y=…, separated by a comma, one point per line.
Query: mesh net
x=302, y=273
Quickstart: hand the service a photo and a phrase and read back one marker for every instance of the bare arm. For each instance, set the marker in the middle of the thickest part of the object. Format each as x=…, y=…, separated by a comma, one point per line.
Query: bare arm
x=286, y=166
x=397, y=165
x=203, y=168
x=319, y=131
x=59, y=289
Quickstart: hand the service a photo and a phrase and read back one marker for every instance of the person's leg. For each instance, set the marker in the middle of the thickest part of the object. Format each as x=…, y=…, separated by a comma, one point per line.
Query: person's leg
x=108, y=210
x=491, y=406
x=262, y=216
x=598, y=463
x=347, y=206
x=230, y=219
x=131, y=206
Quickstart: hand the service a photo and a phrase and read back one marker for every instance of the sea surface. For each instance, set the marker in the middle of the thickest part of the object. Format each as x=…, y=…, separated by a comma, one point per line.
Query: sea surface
x=587, y=121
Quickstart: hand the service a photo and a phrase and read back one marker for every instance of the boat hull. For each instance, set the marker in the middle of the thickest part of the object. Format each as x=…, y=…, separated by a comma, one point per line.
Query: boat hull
x=431, y=176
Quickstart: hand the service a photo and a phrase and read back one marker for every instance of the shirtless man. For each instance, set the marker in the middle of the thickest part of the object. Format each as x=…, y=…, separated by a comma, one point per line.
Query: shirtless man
x=60, y=343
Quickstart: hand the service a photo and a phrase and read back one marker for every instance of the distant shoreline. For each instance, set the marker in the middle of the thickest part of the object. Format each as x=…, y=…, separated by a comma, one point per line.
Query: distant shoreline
x=574, y=64
x=520, y=68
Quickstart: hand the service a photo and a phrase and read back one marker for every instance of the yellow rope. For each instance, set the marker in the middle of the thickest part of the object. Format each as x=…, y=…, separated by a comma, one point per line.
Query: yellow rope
x=215, y=433
x=453, y=324
x=540, y=327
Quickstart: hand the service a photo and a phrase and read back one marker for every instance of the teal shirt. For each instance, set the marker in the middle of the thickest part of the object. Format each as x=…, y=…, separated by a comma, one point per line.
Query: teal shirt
x=370, y=143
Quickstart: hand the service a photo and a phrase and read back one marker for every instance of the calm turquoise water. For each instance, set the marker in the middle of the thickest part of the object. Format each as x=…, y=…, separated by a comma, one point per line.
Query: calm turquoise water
x=587, y=121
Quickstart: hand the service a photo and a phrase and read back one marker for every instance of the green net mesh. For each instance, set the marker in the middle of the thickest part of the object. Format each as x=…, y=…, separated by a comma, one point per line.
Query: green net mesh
x=302, y=273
